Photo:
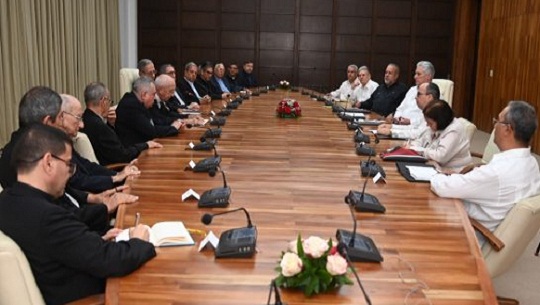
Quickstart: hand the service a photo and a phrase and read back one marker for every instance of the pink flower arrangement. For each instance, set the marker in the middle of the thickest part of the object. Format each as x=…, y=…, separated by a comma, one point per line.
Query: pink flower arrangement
x=288, y=108
x=312, y=265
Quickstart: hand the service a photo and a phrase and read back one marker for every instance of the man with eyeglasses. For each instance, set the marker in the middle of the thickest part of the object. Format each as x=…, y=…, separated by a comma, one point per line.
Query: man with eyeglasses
x=68, y=260
x=426, y=93
x=41, y=105
x=345, y=92
x=90, y=177
x=206, y=87
x=490, y=191
x=105, y=141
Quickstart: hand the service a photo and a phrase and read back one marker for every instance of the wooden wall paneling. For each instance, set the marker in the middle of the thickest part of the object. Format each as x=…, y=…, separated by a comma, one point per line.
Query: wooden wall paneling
x=508, y=59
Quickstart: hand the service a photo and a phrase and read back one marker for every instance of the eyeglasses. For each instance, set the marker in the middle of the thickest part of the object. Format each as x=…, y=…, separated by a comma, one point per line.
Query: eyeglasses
x=72, y=166
x=496, y=121
x=79, y=118
x=420, y=94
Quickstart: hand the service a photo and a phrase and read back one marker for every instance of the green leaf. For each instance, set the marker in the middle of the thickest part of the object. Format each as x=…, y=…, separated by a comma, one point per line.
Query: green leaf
x=299, y=247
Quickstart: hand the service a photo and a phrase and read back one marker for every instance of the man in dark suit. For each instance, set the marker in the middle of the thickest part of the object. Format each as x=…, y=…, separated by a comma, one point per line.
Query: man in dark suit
x=388, y=96
x=187, y=85
x=233, y=79
x=246, y=77
x=177, y=102
x=133, y=119
x=204, y=85
x=91, y=177
x=68, y=261
x=105, y=141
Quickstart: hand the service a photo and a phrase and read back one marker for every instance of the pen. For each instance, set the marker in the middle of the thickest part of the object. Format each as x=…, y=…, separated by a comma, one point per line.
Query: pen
x=137, y=218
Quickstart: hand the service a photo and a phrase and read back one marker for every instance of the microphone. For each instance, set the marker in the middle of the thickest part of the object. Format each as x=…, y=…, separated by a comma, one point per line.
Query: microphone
x=216, y=197
x=274, y=288
x=218, y=121
x=364, y=150
x=208, y=164
x=370, y=167
x=206, y=145
x=364, y=202
x=210, y=133
x=342, y=250
x=362, y=248
x=359, y=136
x=234, y=243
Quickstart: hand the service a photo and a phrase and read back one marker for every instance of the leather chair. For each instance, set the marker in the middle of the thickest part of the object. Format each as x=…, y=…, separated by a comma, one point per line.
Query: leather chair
x=82, y=144
x=490, y=149
x=446, y=87
x=17, y=284
x=506, y=244
x=127, y=77
x=469, y=127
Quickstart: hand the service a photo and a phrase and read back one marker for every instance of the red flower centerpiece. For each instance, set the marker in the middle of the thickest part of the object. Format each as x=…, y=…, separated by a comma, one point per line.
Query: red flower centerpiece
x=288, y=108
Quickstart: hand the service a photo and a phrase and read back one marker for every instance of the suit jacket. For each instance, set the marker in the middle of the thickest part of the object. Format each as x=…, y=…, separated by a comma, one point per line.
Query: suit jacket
x=215, y=83
x=207, y=88
x=68, y=261
x=90, y=176
x=95, y=216
x=234, y=83
x=134, y=122
x=247, y=80
x=174, y=104
x=106, y=143
x=187, y=92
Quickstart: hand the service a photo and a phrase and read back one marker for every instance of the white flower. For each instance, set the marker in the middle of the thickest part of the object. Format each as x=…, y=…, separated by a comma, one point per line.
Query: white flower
x=315, y=246
x=290, y=264
x=292, y=246
x=336, y=265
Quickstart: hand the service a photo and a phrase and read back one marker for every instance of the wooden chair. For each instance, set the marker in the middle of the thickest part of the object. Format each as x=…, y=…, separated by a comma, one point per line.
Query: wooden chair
x=446, y=87
x=17, y=284
x=506, y=244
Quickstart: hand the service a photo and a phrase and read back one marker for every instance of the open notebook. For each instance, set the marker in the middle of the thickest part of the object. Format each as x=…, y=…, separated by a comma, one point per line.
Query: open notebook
x=164, y=234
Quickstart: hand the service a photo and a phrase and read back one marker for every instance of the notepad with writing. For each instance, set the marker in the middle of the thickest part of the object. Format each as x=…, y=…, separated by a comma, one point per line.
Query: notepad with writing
x=165, y=234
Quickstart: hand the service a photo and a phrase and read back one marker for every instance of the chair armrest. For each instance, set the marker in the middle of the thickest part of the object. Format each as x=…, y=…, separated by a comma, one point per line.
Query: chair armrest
x=117, y=166
x=96, y=299
x=477, y=155
x=493, y=240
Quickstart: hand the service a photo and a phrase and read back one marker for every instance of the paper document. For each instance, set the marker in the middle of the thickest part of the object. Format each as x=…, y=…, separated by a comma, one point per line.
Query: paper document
x=421, y=173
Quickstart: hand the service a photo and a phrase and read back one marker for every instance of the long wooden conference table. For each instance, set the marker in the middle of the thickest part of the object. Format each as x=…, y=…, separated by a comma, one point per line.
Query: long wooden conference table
x=292, y=176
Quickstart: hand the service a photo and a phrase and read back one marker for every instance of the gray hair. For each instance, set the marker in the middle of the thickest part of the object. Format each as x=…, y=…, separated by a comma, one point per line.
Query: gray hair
x=522, y=117
x=189, y=65
x=364, y=68
x=143, y=63
x=94, y=92
x=164, y=80
x=355, y=67
x=219, y=65
x=164, y=67
x=427, y=67
x=433, y=90
x=38, y=103
x=142, y=84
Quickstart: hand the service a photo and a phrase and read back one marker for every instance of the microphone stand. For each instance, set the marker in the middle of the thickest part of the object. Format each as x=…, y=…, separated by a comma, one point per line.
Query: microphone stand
x=343, y=251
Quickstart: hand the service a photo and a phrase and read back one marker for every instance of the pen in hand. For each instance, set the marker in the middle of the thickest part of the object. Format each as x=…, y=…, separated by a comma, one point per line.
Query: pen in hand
x=137, y=218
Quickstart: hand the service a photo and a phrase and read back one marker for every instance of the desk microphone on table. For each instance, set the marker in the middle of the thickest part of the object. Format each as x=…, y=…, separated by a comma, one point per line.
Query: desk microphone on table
x=235, y=243
x=217, y=197
x=208, y=164
x=362, y=248
x=364, y=202
x=277, y=295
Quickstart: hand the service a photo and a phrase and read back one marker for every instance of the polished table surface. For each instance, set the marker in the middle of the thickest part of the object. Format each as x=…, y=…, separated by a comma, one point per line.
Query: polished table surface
x=292, y=175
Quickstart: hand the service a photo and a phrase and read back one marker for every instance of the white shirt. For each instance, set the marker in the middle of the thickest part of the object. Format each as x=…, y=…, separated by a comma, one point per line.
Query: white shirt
x=491, y=190
x=449, y=147
x=344, y=92
x=362, y=93
x=409, y=109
